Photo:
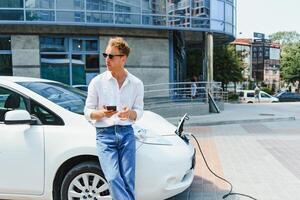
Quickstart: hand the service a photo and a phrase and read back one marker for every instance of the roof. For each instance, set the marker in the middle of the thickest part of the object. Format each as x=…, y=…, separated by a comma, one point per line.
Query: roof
x=22, y=78
x=242, y=41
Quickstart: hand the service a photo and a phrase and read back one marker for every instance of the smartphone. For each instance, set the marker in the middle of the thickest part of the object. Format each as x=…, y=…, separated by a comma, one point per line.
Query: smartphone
x=111, y=108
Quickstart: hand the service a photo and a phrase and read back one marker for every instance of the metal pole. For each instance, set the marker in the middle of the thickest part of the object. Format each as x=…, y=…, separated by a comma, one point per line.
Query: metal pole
x=263, y=61
x=209, y=49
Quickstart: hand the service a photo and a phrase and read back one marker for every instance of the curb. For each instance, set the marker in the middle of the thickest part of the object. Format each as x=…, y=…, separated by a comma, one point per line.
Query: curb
x=239, y=121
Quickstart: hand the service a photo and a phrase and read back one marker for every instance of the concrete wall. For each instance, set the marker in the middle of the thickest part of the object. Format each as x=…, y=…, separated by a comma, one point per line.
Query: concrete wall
x=148, y=60
x=25, y=55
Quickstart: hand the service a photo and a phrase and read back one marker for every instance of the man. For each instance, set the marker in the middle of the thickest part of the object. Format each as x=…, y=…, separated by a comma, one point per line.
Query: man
x=115, y=136
x=257, y=93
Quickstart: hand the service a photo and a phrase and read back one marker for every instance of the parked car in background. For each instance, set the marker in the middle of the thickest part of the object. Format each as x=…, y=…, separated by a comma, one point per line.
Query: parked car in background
x=288, y=96
x=48, y=148
x=248, y=96
x=81, y=87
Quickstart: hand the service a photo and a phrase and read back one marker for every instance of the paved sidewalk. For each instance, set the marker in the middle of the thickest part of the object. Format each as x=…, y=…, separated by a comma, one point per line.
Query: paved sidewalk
x=260, y=159
x=242, y=113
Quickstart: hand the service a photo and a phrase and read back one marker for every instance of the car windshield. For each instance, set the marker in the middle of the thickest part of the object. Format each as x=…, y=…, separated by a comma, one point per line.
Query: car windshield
x=63, y=95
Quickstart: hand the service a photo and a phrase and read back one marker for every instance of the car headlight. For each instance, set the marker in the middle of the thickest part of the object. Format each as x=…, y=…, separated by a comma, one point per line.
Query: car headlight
x=148, y=137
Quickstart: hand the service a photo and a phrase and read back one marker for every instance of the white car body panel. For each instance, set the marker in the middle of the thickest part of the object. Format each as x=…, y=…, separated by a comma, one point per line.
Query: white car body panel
x=162, y=171
x=24, y=159
x=263, y=97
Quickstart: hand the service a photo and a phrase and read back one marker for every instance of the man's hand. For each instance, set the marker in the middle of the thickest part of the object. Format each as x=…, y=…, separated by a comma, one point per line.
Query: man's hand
x=99, y=114
x=124, y=114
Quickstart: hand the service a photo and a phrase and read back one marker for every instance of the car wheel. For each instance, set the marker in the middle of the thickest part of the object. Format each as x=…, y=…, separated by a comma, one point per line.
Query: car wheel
x=249, y=102
x=85, y=181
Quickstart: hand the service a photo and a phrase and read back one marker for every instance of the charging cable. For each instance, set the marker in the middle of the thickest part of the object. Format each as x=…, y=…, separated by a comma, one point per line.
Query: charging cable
x=231, y=187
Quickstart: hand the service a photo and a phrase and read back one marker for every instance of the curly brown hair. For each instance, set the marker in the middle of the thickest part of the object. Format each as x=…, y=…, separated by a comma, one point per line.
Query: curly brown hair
x=121, y=44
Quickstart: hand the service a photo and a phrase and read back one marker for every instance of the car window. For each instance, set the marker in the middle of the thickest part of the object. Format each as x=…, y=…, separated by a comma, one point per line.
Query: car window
x=241, y=94
x=10, y=100
x=44, y=115
x=250, y=94
x=263, y=95
x=65, y=96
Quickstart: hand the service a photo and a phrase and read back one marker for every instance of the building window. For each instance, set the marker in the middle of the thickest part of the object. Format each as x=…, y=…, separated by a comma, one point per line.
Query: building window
x=11, y=4
x=5, y=56
x=46, y=4
x=72, y=61
x=13, y=15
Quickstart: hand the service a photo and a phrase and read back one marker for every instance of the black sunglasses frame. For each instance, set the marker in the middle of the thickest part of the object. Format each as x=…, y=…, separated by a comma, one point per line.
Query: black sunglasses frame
x=111, y=56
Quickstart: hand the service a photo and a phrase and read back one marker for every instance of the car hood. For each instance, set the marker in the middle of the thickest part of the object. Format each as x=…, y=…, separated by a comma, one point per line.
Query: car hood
x=156, y=123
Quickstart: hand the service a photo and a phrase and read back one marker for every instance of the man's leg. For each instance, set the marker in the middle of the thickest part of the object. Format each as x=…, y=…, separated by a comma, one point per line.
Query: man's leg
x=127, y=155
x=109, y=160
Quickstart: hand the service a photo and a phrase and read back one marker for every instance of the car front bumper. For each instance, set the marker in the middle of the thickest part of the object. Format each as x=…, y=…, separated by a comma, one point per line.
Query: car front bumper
x=164, y=170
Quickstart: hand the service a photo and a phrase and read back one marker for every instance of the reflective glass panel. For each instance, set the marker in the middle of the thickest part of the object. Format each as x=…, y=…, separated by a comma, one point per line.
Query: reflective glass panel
x=228, y=13
x=99, y=5
x=155, y=6
x=47, y=4
x=54, y=44
x=5, y=43
x=14, y=15
x=77, y=45
x=127, y=19
x=5, y=65
x=99, y=17
x=128, y=6
x=217, y=25
x=78, y=69
x=228, y=28
x=201, y=8
x=154, y=20
x=181, y=7
x=40, y=15
x=217, y=9
x=70, y=16
x=70, y=4
x=92, y=62
x=91, y=45
x=11, y=3
x=200, y=23
x=179, y=21
x=55, y=67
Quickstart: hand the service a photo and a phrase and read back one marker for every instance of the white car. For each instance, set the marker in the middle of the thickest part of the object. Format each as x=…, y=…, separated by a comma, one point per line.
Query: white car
x=48, y=148
x=248, y=96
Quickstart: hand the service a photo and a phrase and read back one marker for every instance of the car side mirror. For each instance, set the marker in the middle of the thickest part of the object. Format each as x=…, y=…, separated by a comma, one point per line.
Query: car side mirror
x=17, y=117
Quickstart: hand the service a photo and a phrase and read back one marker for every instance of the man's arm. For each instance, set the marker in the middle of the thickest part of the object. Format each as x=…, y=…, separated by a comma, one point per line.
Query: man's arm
x=138, y=106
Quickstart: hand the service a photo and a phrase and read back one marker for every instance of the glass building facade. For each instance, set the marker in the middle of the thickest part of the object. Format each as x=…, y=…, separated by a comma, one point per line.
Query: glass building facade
x=70, y=60
x=62, y=40
x=197, y=15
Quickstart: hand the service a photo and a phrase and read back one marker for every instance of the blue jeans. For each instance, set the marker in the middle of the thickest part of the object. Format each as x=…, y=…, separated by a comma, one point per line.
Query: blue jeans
x=116, y=152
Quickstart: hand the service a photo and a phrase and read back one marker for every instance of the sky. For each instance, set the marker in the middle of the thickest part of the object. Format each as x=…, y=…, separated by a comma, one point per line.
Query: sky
x=267, y=16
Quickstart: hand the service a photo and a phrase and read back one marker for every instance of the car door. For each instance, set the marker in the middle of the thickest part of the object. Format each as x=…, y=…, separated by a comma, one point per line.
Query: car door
x=265, y=98
x=21, y=150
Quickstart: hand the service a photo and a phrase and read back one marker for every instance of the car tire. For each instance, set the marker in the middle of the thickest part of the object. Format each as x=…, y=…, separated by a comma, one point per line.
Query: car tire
x=84, y=181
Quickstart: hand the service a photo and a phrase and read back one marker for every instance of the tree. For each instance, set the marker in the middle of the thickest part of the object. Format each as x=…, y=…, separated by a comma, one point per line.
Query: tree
x=290, y=63
x=285, y=37
x=290, y=55
x=228, y=65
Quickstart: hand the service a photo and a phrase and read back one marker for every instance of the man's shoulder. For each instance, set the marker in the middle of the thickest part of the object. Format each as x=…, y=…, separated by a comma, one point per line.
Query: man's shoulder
x=99, y=77
x=135, y=79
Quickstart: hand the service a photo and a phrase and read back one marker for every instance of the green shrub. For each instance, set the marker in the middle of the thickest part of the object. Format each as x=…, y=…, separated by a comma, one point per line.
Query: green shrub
x=267, y=90
x=233, y=97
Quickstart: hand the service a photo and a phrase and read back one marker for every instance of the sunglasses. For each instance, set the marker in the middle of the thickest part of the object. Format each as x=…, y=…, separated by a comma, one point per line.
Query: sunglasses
x=110, y=56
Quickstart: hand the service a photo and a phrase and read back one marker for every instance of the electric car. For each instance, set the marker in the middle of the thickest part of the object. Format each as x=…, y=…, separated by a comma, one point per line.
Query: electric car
x=48, y=148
